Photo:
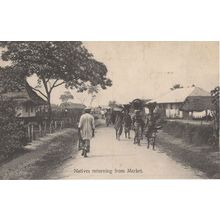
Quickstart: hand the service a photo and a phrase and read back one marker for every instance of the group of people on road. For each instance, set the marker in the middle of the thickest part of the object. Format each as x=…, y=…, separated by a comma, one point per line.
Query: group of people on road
x=122, y=120
x=125, y=121
x=143, y=125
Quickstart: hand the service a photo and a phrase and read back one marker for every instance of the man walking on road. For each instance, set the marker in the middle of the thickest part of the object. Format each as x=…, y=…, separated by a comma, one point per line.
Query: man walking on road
x=86, y=130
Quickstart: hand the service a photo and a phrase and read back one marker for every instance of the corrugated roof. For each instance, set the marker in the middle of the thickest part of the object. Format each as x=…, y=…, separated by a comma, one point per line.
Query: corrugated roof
x=180, y=95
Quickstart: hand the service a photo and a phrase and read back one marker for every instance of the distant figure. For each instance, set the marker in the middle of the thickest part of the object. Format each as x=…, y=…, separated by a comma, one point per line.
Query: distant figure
x=86, y=130
x=113, y=117
x=152, y=125
x=102, y=114
x=108, y=116
x=118, y=124
x=138, y=125
x=127, y=124
x=150, y=132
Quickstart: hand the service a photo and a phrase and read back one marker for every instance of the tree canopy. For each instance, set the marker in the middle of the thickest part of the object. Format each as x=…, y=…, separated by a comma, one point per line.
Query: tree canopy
x=176, y=86
x=55, y=63
x=112, y=104
x=11, y=79
x=66, y=96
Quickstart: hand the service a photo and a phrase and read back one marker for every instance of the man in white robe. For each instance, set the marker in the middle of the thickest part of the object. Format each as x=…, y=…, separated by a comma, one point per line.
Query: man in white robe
x=86, y=130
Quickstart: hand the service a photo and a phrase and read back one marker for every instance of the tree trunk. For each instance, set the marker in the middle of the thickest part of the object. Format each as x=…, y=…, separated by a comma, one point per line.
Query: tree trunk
x=49, y=108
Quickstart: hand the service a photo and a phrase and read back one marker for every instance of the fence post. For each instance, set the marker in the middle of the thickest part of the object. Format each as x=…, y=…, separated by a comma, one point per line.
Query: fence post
x=45, y=128
x=40, y=130
x=61, y=125
x=29, y=133
x=51, y=129
x=32, y=131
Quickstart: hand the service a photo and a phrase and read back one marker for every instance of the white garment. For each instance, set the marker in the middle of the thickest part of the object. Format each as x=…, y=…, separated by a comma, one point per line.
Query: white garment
x=199, y=114
x=86, y=125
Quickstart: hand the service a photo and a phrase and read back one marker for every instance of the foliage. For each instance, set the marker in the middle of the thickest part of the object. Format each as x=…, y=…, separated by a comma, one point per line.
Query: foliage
x=191, y=133
x=215, y=115
x=56, y=63
x=11, y=79
x=112, y=104
x=176, y=86
x=12, y=131
x=66, y=97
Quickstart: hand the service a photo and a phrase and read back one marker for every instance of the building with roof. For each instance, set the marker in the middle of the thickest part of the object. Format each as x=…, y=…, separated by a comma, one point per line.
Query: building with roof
x=72, y=106
x=28, y=102
x=185, y=103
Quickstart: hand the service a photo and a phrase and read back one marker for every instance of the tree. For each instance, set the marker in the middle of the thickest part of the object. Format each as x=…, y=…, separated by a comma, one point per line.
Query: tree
x=92, y=90
x=12, y=130
x=112, y=104
x=176, y=86
x=66, y=97
x=215, y=115
x=11, y=79
x=56, y=64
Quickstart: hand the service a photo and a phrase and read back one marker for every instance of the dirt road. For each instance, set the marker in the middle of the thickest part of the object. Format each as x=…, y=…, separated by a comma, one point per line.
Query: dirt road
x=114, y=159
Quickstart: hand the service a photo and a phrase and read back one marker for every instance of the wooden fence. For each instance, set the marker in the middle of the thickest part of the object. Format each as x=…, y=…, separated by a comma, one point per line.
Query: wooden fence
x=38, y=129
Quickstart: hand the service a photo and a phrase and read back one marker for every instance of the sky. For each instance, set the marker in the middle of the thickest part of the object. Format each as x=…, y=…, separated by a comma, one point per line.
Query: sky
x=149, y=69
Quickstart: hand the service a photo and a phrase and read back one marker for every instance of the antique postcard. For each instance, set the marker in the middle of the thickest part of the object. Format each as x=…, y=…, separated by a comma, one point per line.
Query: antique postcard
x=109, y=110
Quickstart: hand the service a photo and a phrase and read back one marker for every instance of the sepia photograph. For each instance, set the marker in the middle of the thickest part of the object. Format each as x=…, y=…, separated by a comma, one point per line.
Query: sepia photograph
x=109, y=110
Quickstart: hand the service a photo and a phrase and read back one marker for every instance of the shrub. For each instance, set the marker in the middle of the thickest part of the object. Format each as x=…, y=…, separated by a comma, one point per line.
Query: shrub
x=191, y=133
x=12, y=131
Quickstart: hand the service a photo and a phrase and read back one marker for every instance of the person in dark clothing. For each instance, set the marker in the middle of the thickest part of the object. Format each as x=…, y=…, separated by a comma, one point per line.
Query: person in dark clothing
x=127, y=124
x=113, y=117
x=138, y=125
x=118, y=124
x=108, y=116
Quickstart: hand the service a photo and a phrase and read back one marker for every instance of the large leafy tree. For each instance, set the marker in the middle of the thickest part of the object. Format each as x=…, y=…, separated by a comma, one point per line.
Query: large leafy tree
x=11, y=79
x=55, y=64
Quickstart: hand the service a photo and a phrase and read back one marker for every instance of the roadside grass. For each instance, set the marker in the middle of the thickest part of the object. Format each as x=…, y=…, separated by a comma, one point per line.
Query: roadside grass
x=198, y=157
x=192, y=133
x=48, y=153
